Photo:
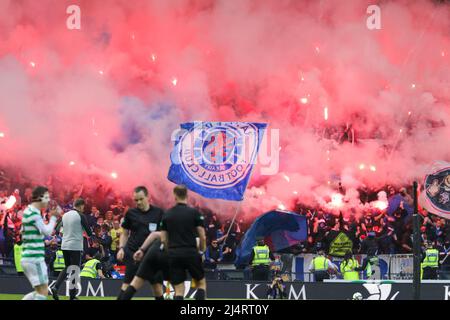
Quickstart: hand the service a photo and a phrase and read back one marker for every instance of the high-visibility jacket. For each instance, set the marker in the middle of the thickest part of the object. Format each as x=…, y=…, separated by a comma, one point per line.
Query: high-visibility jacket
x=320, y=263
x=431, y=259
x=262, y=255
x=348, y=269
x=18, y=257
x=58, y=264
x=373, y=261
x=114, y=236
x=90, y=269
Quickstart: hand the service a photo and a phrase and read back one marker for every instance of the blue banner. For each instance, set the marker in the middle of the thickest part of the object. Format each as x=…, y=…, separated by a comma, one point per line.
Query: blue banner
x=281, y=229
x=215, y=159
x=394, y=204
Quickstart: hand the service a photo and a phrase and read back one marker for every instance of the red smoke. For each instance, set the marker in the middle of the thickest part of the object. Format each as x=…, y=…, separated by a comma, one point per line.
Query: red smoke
x=71, y=95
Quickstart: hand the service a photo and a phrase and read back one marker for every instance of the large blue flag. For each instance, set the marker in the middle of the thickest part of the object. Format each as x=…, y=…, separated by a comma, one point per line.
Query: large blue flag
x=282, y=229
x=215, y=159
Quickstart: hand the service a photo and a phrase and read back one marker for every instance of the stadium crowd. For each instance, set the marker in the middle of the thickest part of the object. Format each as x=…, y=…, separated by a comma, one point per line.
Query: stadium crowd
x=391, y=232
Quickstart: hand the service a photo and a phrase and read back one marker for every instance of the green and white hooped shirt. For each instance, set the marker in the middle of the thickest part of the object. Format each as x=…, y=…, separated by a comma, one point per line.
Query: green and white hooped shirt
x=32, y=237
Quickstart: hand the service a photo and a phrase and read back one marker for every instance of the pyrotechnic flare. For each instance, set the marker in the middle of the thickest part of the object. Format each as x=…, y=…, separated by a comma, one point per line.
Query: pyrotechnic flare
x=253, y=72
x=337, y=200
x=10, y=202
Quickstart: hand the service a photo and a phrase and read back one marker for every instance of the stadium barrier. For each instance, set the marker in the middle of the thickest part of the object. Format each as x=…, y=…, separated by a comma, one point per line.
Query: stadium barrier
x=341, y=290
x=394, y=267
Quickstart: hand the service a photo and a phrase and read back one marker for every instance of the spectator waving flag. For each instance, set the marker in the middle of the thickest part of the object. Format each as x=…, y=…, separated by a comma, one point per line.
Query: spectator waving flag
x=281, y=229
x=435, y=197
x=215, y=159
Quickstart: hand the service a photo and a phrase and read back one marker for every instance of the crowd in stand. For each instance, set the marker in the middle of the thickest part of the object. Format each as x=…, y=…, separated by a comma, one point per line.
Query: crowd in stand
x=105, y=210
x=391, y=232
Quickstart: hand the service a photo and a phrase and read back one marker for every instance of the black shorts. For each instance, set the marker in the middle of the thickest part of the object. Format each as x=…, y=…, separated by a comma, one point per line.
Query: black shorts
x=72, y=258
x=179, y=264
x=131, y=267
x=154, y=267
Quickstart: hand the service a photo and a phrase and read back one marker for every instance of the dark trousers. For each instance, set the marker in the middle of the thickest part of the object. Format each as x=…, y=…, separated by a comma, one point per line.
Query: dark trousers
x=113, y=257
x=260, y=272
x=210, y=265
x=319, y=276
x=71, y=258
x=430, y=273
x=56, y=273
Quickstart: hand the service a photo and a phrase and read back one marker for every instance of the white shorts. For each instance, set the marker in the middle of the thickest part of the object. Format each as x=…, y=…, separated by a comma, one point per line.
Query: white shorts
x=36, y=272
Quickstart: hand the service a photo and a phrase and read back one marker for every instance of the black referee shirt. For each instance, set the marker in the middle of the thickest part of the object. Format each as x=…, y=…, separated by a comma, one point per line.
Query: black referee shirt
x=141, y=224
x=181, y=224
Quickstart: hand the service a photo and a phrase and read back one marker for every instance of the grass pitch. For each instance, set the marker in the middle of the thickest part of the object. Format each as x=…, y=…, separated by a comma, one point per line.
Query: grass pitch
x=20, y=296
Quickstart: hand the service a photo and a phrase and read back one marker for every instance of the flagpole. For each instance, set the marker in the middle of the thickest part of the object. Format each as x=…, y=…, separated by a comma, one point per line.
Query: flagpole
x=238, y=207
x=416, y=246
x=243, y=198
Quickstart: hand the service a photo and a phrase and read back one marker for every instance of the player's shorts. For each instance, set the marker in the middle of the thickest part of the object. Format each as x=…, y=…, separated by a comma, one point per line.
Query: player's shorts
x=130, y=265
x=36, y=272
x=154, y=267
x=179, y=264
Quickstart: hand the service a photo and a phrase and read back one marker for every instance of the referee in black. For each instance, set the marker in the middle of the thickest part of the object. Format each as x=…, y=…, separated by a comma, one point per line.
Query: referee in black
x=138, y=223
x=154, y=268
x=180, y=227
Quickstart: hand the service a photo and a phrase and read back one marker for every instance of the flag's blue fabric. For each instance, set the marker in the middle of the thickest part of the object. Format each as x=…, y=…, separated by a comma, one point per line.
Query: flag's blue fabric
x=282, y=229
x=394, y=204
x=215, y=159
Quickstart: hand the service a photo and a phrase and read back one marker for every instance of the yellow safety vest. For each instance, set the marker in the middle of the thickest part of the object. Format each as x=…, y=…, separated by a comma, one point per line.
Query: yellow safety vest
x=59, y=264
x=372, y=261
x=114, y=236
x=348, y=269
x=261, y=255
x=431, y=259
x=90, y=269
x=18, y=257
x=320, y=263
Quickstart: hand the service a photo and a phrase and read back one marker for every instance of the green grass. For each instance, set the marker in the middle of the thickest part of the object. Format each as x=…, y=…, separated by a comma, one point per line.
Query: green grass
x=20, y=296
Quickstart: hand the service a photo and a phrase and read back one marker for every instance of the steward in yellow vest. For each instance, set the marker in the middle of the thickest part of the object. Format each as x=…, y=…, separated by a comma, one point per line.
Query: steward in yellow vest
x=260, y=261
x=58, y=264
x=261, y=255
x=430, y=262
x=92, y=269
x=349, y=267
x=18, y=257
x=321, y=265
